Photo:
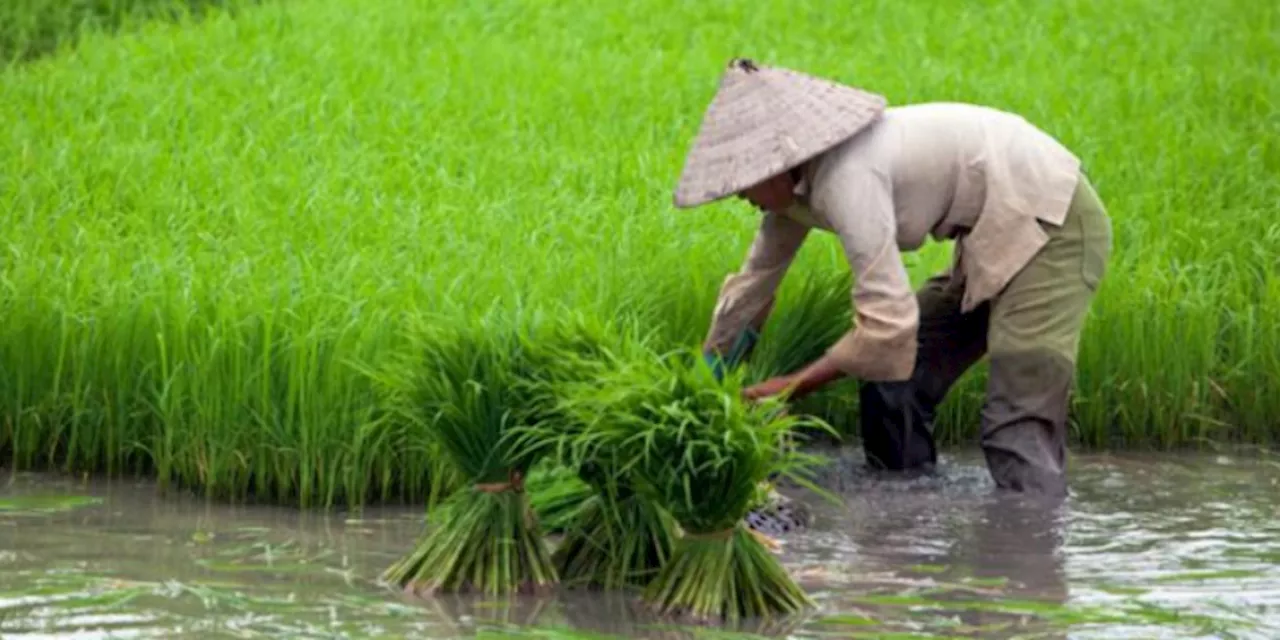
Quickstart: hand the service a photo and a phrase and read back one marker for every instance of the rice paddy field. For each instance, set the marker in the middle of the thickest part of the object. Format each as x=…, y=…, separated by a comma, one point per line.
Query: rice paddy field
x=213, y=227
x=222, y=226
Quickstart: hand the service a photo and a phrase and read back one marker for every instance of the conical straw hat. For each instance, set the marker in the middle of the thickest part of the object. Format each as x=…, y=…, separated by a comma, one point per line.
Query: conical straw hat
x=764, y=121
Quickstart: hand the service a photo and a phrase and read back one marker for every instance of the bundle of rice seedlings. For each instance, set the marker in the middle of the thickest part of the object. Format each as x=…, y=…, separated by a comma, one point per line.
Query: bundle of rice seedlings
x=614, y=537
x=620, y=538
x=617, y=537
x=557, y=495
x=462, y=390
x=702, y=452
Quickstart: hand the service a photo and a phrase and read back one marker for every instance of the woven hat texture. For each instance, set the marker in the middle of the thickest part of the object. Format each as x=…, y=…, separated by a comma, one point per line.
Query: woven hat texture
x=764, y=121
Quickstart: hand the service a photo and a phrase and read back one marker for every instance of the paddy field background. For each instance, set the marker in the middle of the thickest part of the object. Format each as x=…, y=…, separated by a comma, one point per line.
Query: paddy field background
x=214, y=225
x=211, y=222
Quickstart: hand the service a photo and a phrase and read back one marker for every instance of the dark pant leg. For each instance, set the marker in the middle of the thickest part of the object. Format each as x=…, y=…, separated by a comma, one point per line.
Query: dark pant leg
x=1035, y=327
x=897, y=417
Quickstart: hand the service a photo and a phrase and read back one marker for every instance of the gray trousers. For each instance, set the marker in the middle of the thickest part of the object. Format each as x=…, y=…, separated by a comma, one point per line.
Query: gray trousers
x=1031, y=332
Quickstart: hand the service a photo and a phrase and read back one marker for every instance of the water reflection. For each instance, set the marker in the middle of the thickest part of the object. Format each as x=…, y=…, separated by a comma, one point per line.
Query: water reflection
x=1015, y=545
x=946, y=541
x=1179, y=547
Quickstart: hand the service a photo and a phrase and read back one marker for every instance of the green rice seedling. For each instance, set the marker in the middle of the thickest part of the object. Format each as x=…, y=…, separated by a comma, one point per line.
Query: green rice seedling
x=811, y=318
x=615, y=537
x=700, y=451
x=207, y=221
x=620, y=538
x=815, y=315
x=473, y=390
x=461, y=387
x=572, y=349
x=557, y=495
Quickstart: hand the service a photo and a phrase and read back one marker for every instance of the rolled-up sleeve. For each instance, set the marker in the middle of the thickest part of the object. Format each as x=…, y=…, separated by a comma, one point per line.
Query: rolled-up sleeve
x=746, y=297
x=857, y=201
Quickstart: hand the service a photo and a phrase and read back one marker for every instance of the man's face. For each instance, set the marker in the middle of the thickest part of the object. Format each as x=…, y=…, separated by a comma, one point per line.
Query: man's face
x=774, y=195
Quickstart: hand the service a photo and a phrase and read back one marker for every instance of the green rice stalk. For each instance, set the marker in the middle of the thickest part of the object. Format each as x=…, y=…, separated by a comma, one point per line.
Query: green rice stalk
x=616, y=537
x=33, y=28
x=702, y=452
x=464, y=393
x=185, y=281
x=619, y=539
x=485, y=540
x=729, y=576
x=557, y=496
x=480, y=387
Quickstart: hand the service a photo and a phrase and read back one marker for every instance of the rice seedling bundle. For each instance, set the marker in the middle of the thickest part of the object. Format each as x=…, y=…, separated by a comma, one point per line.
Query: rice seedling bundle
x=620, y=538
x=700, y=452
x=557, y=495
x=462, y=387
x=614, y=536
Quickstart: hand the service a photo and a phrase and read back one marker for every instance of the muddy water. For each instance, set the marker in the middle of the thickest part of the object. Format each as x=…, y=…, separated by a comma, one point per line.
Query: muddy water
x=1154, y=547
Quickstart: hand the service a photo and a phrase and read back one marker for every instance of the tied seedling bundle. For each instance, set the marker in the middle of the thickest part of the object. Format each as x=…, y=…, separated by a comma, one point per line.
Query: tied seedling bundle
x=557, y=495
x=702, y=452
x=617, y=536
x=463, y=390
x=621, y=538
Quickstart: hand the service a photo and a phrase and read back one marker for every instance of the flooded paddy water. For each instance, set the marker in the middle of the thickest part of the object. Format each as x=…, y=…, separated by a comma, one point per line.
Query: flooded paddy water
x=1148, y=546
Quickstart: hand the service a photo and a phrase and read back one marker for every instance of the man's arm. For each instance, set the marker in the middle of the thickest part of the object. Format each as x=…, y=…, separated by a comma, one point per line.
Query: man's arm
x=746, y=297
x=881, y=346
x=857, y=202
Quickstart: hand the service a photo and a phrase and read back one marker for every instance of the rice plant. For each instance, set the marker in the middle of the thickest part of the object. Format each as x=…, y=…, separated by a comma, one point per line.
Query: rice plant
x=464, y=394
x=700, y=452
x=557, y=496
x=615, y=537
x=620, y=538
x=207, y=222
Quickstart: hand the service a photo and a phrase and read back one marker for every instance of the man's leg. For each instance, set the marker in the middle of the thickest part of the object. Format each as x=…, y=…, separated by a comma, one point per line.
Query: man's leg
x=1035, y=328
x=897, y=417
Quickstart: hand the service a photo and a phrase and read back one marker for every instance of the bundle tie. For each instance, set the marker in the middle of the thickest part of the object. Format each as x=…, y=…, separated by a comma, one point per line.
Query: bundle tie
x=515, y=482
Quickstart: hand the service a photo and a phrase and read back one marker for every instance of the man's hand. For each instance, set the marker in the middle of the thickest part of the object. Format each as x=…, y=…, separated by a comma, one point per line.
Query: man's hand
x=812, y=378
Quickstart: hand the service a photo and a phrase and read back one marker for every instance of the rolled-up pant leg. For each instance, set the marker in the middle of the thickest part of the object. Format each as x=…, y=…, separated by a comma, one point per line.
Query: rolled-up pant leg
x=1033, y=339
x=897, y=417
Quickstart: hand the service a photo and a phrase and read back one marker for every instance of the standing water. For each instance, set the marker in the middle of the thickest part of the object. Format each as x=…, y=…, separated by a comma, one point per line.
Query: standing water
x=1151, y=547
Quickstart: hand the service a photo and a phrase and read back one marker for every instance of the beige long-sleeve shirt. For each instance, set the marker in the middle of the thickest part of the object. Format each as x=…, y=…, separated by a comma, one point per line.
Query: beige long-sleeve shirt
x=980, y=176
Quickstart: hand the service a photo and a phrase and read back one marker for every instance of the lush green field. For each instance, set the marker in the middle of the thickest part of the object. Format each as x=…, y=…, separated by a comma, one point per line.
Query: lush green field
x=33, y=28
x=212, y=230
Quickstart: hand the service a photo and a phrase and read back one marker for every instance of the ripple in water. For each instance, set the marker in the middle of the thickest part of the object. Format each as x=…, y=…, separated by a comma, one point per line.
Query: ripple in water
x=1155, y=546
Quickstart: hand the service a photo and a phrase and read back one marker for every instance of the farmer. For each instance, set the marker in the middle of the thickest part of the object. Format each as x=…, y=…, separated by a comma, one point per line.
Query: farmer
x=1032, y=243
